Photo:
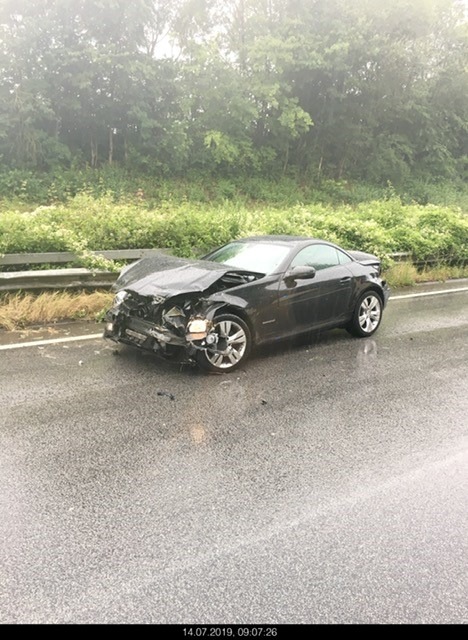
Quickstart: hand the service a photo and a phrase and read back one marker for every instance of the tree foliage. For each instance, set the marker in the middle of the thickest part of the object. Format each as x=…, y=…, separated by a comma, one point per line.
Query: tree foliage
x=324, y=88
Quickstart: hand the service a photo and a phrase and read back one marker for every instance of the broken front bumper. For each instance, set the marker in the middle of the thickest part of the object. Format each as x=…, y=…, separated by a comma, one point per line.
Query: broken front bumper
x=140, y=333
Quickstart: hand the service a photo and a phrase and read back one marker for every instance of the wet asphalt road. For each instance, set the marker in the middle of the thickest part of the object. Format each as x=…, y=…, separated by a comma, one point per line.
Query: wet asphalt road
x=341, y=498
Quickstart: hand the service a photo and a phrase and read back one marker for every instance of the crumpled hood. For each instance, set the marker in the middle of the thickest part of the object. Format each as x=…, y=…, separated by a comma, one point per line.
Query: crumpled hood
x=167, y=275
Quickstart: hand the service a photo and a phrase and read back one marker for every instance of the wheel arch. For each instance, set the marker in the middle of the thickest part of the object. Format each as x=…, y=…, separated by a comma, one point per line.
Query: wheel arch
x=241, y=313
x=374, y=289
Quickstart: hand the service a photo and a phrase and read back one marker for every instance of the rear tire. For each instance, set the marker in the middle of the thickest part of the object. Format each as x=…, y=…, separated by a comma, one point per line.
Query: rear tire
x=234, y=335
x=367, y=315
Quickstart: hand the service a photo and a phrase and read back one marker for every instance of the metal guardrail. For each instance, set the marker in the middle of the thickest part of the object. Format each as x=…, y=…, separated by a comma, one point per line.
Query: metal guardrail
x=74, y=278
x=64, y=278
x=56, y=279
x=62, y=257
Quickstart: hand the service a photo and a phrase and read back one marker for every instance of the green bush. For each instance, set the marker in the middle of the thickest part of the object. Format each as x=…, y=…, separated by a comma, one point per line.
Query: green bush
x=87, y=223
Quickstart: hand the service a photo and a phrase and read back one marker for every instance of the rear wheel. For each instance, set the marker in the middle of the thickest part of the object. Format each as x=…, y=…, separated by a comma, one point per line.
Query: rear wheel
x=367, y=315
x=233, y=346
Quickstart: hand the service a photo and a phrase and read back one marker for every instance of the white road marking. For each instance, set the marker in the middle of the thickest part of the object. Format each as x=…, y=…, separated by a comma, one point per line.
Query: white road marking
x=96, y=336
x=427, y=293
x=41, y=343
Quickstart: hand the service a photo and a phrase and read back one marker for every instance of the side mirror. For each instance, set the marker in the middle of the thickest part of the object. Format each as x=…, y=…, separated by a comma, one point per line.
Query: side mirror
x=300, y=273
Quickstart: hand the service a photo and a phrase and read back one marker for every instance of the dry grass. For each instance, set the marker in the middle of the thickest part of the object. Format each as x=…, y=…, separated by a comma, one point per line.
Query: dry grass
x=404, y=274
x=441, y=274
x=23, y=309
x=401, y=274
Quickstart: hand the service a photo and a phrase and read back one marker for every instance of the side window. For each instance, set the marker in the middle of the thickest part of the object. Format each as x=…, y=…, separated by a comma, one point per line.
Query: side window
x=343, y=258
x=320, y=256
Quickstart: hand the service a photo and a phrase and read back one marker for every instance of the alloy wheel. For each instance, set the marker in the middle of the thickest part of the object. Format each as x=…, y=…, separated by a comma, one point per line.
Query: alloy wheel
x=369, y=313
x=233, y=340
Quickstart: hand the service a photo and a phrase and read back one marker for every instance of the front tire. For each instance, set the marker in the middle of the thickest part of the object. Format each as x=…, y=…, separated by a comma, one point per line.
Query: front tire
x=367, y=315
x=234, y=344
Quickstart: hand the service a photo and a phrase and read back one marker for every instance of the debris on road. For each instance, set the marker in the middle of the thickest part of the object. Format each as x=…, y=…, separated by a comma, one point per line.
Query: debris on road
x=166, y=393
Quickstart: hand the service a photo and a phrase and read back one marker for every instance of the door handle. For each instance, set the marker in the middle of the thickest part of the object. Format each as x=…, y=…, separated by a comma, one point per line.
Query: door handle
x=345, y=280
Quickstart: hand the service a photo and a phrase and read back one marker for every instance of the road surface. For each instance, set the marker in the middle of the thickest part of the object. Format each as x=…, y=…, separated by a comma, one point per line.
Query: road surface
x=323, y=483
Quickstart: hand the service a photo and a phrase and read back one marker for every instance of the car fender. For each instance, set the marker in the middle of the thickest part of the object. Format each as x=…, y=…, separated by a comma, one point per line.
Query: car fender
x=232, y=304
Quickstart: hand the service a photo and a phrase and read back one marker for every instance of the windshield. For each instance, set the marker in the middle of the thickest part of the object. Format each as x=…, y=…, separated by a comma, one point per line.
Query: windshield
x=253, y=256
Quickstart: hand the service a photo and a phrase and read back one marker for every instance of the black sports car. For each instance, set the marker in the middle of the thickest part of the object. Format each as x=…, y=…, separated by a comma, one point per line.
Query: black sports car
x=250, y=291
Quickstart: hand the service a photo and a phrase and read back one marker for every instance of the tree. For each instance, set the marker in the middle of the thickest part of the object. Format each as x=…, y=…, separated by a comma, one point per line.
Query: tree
x=75, y=76
x=362, y=89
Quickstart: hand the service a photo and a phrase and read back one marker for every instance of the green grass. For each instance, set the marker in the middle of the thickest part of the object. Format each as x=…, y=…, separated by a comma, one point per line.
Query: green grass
x=23, y=188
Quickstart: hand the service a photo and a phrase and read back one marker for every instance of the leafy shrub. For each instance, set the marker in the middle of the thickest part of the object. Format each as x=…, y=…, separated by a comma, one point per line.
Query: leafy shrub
x=87, y=223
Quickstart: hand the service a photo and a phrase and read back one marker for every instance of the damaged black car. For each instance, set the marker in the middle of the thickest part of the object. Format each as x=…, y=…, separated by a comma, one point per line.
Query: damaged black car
x=251, y=291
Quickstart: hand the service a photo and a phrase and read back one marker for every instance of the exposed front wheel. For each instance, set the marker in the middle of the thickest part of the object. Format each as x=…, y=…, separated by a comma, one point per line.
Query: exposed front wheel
x=367, y=315
x=233, y=346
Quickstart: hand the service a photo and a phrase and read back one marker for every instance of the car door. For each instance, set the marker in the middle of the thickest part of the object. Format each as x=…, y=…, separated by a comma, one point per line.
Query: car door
x=321, y=300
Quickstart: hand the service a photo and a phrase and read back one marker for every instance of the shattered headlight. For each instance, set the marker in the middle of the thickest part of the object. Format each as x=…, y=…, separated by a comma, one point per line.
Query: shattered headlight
x=198, y=328
x=119, y=298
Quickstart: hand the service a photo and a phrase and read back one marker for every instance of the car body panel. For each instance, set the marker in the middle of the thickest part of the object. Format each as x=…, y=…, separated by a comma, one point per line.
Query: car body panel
x=318, y=301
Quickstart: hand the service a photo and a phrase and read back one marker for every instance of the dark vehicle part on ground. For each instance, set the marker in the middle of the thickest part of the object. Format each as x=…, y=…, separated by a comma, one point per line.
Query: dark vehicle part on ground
x=249, y=292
